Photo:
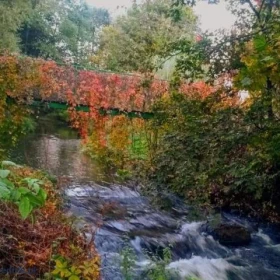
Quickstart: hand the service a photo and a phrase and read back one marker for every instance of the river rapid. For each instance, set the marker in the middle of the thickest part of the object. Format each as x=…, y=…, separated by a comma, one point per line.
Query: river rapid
x=122, y=218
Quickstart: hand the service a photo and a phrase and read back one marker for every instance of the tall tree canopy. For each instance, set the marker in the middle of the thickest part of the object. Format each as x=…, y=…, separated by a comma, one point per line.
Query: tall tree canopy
x=63, y=30
x=135, y=40
x=80, y=30
x=224, y=50
x=13, y=13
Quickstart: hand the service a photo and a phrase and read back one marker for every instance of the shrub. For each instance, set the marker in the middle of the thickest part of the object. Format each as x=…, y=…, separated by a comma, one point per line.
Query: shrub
x=212, y=152
x=31, y=248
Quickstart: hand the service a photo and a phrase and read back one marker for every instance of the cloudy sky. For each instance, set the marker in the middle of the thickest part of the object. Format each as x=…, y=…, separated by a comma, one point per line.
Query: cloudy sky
x=109, y=4
x=211, y=16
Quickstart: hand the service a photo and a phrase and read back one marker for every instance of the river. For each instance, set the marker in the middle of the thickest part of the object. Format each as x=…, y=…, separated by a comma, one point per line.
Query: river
x=121, y=217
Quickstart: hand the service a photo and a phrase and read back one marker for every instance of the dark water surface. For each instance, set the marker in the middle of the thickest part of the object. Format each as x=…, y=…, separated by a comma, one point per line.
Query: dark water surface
x=124, y=218
x=56, y=148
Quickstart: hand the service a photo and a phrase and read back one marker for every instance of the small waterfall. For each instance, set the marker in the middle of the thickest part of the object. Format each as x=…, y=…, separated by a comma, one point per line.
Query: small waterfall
x=203, y=268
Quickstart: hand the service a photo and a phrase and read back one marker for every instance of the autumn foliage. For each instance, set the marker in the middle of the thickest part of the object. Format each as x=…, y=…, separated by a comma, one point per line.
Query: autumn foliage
x=118, y=138
x=24, y=79
x=33, y=248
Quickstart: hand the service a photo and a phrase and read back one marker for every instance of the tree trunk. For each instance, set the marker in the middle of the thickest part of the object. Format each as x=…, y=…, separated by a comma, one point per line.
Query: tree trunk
x=269, y=98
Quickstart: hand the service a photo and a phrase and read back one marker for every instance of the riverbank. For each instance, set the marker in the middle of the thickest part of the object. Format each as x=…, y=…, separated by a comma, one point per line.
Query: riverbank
x=127, y=226
x=38, y=240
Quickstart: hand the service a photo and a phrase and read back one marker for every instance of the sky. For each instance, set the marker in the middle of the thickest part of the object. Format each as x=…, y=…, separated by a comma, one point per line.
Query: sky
x=211, y=16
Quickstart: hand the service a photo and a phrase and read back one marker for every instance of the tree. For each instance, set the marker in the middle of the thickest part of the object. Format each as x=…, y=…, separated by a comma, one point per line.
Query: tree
x=260, y=71
x=135, y=41
x=221, y=52
x=217, y=149
x=38, y=33
x=80, y=31
x=13, y=13
x=62, y=30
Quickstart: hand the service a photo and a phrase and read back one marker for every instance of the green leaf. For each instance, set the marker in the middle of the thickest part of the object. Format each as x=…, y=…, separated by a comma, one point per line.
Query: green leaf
x=74, y=277
x=267, y=58
x=75, y=270
x=2, y=183
x=34, y=184
x=7, y=183
x=260, y=43
x=4, y=173
x=61, y=269
x=15, y=195
x=35, y=201
x=23, y=190
x=36, y=187
x=4, y=192
x=246, y=82
x=24, y=207
x=42, y=194
x=8, y=163
x=30, y=181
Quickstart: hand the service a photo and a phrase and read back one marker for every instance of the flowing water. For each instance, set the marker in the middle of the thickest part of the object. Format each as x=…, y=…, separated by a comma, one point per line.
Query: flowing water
x=122, y=218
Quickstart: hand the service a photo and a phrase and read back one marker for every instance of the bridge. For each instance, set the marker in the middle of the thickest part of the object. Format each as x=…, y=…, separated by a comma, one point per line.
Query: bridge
x=110, y=111
x=44, y=83
x=64, y=87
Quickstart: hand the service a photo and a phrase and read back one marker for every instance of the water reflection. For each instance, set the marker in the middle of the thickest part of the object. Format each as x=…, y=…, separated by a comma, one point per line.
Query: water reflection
x=55, y=148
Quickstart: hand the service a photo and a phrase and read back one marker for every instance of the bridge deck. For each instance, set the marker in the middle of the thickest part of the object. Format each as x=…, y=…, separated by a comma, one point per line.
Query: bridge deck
x=84, y=108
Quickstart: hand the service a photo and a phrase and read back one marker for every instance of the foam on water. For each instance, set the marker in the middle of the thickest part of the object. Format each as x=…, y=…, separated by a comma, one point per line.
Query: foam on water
x=136, y=243
x=120, y=225
x=204, y=268
x=77, y=192
x=275, y=248
x=200, y=242
x=264, y=237
x=191, y=228
x=268, y=241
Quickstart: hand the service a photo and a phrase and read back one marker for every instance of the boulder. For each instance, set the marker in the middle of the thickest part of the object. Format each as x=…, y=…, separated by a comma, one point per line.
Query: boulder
x=232, y=234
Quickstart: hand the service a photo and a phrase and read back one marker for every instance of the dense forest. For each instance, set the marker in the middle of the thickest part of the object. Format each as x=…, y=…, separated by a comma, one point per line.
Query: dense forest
x=167, y=106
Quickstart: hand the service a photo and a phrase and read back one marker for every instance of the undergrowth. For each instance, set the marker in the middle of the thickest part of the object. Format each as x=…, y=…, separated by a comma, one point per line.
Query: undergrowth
x=42, y=243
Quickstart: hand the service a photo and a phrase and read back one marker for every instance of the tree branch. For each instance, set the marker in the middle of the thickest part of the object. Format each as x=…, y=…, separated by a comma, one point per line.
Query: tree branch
x=253, y=8
x=262, y=5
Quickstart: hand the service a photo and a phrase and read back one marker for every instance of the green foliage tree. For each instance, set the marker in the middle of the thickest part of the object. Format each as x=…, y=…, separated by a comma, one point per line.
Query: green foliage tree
x=38, y=33
x=13, y=13
x=66, y=31
x=135, y=40
x=80, y=30
x=226, y=154
x=222, y=51
x=215, y=154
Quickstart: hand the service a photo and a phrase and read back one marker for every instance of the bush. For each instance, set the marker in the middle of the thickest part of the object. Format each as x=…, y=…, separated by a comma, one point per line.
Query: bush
x=212, y=152
x=36, y=238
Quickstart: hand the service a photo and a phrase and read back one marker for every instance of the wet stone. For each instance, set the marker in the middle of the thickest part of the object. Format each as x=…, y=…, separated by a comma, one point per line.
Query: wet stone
x=232, y=235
